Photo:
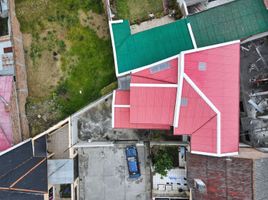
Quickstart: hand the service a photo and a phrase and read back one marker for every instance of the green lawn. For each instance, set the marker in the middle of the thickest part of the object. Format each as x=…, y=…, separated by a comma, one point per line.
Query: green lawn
x=138, y=10
x=92, y=71
x=86, y=60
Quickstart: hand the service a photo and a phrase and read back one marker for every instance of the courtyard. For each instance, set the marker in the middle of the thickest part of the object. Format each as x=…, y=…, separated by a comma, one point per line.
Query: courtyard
x=104, y=173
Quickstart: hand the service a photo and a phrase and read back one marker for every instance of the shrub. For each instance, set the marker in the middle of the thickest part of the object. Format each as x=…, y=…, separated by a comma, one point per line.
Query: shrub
x=162, y=162
x=109, y=88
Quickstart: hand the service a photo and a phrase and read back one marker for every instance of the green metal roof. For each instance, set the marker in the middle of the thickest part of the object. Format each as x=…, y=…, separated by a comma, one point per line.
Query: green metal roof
x=236, y=20
x=143, y=48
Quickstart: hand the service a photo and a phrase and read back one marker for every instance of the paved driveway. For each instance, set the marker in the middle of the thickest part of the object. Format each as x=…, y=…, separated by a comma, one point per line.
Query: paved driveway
x=104, y=174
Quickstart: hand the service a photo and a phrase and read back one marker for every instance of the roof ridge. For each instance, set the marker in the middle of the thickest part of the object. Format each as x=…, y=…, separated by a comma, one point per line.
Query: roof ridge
x=204, y=124
x=19, y=165
x=24, y=175
x=154, y=79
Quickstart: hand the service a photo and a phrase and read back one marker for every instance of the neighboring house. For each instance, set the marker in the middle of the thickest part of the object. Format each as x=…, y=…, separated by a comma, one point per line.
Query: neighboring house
x=6, y=132
x=23, y=173
x=190, y=93
x=6, y=80
x=239, y=19
x=62, y=163
x=238, y=177
x=6, y=47
x=13, y=89
x=41, y=168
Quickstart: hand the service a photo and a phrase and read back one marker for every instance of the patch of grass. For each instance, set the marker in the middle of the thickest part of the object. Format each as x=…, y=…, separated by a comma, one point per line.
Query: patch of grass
x=33, y=15
x=138, y=10
x=122, y=9
x=92, y=71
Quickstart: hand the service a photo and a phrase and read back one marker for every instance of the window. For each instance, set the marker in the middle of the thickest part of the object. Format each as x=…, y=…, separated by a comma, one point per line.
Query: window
x=8, y=50
x=51, y=194
x=75, y=193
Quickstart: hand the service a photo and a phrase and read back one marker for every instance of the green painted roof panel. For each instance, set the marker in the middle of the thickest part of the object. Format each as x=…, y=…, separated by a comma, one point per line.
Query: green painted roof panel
x=236, y=20
x=144, y=48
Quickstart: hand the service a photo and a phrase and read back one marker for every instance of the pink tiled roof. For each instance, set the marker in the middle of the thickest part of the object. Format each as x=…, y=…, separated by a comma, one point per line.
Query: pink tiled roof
x=6, y=137
x=153, y=105
x=266, y=3
x=194, y=111
x=121, y=114
x=204, y=102
x=169, y=76
x=220, y=83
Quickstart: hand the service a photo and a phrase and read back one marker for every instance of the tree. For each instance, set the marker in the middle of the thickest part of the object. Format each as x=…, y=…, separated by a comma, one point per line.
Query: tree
x=162, y=162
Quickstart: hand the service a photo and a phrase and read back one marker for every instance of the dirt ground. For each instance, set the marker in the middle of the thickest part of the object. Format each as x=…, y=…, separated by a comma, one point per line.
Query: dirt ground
x=45, y=72
x=44, y=75
x=41, y=114
x=96, y=22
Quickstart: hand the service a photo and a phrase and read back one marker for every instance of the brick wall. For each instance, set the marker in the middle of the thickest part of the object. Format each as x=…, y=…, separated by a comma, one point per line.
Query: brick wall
x=15, y=119
x=225, y=179
x=20, y=69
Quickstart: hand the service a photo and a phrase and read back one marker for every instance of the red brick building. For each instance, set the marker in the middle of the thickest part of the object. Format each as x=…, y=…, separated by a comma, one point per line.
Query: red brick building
x=243, y=177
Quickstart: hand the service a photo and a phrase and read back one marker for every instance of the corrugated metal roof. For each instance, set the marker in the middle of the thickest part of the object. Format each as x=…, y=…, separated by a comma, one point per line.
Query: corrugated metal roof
x=144, y=48
x=220, y=84
x=23, y=172
x=235, y=20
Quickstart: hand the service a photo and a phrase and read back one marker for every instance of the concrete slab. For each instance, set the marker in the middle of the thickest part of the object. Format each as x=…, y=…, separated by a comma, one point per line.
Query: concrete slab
x=104, y=174
x=60, y=136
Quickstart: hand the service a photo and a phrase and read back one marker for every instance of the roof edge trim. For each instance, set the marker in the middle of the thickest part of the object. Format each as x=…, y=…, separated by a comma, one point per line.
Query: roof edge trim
x=148, y=66
x=53, y=128
x=213, y=107
x=113, y=45
x=113, y=102
x=179, y=90
x=15, y=146
x=192, y=35
x=121, y=106
x=119, y=21
x=211, y=47
x=205, y=153
x=216, y=154
x=153, y=85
